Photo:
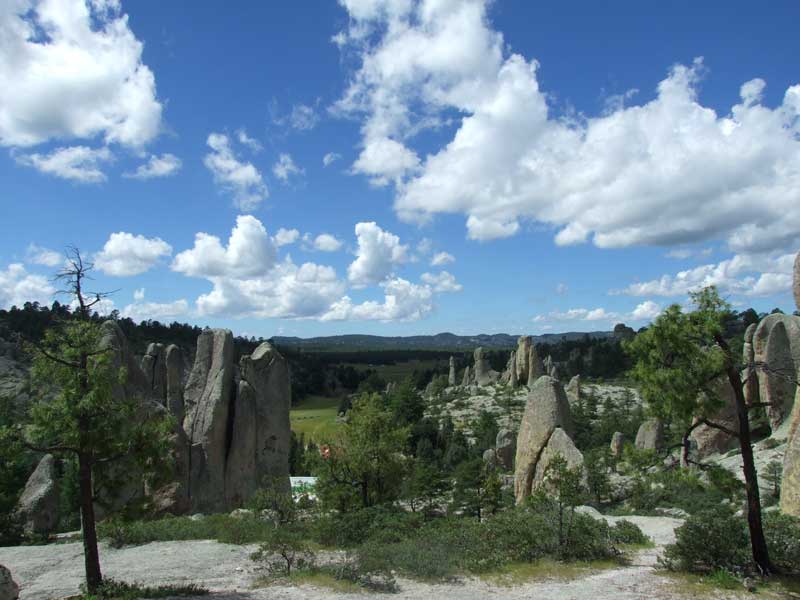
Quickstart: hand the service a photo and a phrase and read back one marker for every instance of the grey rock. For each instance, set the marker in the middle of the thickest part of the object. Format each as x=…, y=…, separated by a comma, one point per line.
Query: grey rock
x=154, y=367
x=490, y=458
x=573, y=390
x=484, y=375
x=467, y=377
x=790, y=481
x=623, y=332
x=710, y=440
x=559, y=444
x=650, y=435
x=796, y=284
x=174, y=381
x=9, y=590
x=207, y=403
x=505, y=448
x=38, y=506
x=617, y=444
x=535, y=367
x=451, y=377
x=524, y=346
x=546, y=409
x=776, y=354
x=513, y=378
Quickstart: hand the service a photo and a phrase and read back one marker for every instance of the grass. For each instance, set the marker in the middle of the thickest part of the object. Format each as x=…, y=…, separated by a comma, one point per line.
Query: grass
x=519, y=573
x=709, y=586
x=111, y=589
x=314, y=417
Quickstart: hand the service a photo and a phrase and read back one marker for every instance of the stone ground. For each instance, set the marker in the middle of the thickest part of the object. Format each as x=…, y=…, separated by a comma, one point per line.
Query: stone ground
x=55, y=571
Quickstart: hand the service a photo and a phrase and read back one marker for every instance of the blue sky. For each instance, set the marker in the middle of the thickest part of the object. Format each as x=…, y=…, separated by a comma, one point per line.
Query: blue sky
x=491, y=166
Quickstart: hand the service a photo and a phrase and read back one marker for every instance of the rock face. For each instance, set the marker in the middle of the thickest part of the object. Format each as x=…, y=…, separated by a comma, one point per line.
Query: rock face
x=484, y=375
x=451, y=377
x=776, y=353
x=790, y=485
x=513, y=379
x=573, y=390
x=560, y=444
x=546, y=410
x=710, y=440
x=9, y=590
x=529, y=365
x=154, y=367
x=38, y=506
x=749, y=373
x=467, y=377
x=174, y=382
x=617, y=444
x=650, y=435
x=208, y=397
x=505, y=448
x=796, y=286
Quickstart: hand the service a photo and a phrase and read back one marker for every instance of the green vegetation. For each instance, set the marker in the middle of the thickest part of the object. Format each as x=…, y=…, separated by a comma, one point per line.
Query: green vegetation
x=111, y=589
x=315, y=417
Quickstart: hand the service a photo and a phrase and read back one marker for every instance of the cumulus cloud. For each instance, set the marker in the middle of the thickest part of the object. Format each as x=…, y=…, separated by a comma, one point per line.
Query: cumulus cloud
x=138, y=295
x=646, y=311
x=246, y=140
x=38, y=255
x=125, y=254
x=684, y=253
x=285, y=168
x=239, y=178
x=325, y=242
x=156, y=166
x=73, y=69
x=403, y=301
x=17, y=287
x=330, y=158
x=303, y=117
x=442, y=258
x=442, y=282
x=378, y=253
x=141, y=311
x=665, y=172
x=284, y=237
x=250, y=252
x=76, y=163
x=744, y=274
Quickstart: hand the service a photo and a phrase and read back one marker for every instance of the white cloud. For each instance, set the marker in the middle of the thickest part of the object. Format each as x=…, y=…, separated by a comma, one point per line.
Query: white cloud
x=156, y=166
x=76, y=163
x=561, y=289
x=17, y=287
x=378, y=253
x=125, y=254
x=442, y=282
x=442, y=258
x=325, y=242
x=403, y=301
x=73, y=69
x=578, y=314
x=138, y=295
x=141, y=311
x=330, y=158
x=666, y=172
x=284, y=237
x=425, y=245
x=303, y=117
x=43, y=256
x=285, y=168
x=684, y=253
x=646, y=311
x=250, y=252
x=239, y=178
x=246, y=140
x=744, y=274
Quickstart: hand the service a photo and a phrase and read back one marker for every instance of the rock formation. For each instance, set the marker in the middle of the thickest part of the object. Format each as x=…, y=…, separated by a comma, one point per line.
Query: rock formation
x=749, y=373
x=546, y=410
x=710, y=440
x=174, y=382
x=9, y=590
x=796, y=285
x=790, y=484
x=776, y=356
x=505, y=448
x=560, y=444
x=617, y=444
x=484, y=375
x=467, y=377
x=38, y=506
x=650, y=435
x=451, y=377
x=513, y=379
x=154, y=367
x=623, y=332
x=573, y=390
x=529, y=365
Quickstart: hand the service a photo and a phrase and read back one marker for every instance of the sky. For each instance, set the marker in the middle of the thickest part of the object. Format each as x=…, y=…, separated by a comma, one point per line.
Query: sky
x=401, y=167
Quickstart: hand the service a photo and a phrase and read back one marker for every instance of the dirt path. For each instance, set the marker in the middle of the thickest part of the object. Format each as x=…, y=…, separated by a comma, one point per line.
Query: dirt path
x=55, y=571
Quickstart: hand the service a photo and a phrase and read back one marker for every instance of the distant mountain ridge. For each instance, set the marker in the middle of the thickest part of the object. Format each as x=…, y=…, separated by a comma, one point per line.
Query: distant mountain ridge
x=439, y=341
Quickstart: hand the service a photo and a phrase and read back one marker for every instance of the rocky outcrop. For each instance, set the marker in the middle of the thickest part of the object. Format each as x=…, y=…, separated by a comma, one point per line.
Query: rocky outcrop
x=749, y=373
x=623, y=332
x=710, y=440
x=546, y=410
x=38, y=506
x=505, y=448
x=174, y=382
x=650, y=435
x=776, y=356
x=9, y=590
x=790, y=483
x=451, y=377
x=154, y=367
x=617, y=444
x=467, y=377
x=535, y=367
x=796, y=285
x=484, y=375
x=573, y=390
x=208, y=397
x=529, y=365
x=560, y=444
x=513, y=378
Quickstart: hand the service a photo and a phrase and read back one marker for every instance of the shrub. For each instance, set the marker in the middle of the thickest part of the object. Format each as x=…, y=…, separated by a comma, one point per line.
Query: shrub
x=119, y=590
x=783, y=540
x=710, y=540
x=347, y=530
x=285, y=549
x=625, y=532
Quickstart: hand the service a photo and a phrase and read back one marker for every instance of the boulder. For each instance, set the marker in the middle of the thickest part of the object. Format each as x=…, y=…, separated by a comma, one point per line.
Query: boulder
x=38, y=506
x=490, y=458
x=506, y=447
x=650, y=435
x=710, y=440
x=559, y=444
x=617, y=444
x=573, y=390
x=546, y=409
x=9, y=590
x=207, y=398
x=776, y=357
x=796, y=285
x=451, y=377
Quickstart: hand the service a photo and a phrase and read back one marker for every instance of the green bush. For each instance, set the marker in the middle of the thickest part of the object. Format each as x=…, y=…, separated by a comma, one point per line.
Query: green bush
x=684, y=489
x=710, y=540
x=111, y=589
x=625, y=532
x=347, y=530
x=783, y=540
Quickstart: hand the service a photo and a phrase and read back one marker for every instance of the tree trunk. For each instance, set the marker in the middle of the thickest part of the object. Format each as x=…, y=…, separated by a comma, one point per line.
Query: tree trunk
x=90, y=554
x=758, y=542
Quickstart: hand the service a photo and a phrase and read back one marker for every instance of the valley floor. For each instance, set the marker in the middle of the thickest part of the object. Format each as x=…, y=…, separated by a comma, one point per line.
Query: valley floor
x=55, y=571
